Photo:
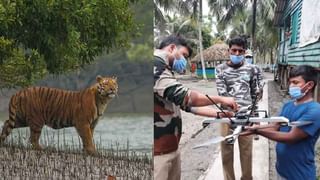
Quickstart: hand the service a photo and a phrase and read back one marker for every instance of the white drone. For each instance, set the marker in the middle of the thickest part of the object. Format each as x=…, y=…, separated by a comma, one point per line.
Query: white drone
x=246, y=116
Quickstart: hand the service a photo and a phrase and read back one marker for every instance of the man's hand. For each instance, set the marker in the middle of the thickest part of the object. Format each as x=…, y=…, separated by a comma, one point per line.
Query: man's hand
x=229, y=101
x=259, y=95
x=225, y=114
x=250, y=130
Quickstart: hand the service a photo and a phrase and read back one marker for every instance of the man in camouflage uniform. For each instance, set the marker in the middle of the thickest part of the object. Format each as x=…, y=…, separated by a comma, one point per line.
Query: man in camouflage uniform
x=169, y=97
x=241, y=80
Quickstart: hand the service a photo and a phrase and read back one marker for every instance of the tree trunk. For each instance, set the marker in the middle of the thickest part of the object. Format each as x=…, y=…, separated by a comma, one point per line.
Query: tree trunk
x=271, y=56
x=200, y=41
x=254, y=8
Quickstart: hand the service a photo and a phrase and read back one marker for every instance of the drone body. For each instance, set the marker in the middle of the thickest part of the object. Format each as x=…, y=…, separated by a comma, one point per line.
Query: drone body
x=245, y=117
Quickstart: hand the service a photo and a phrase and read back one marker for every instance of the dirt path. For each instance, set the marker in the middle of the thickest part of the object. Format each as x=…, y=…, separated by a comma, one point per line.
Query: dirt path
x=196, y=161
x=276, y=99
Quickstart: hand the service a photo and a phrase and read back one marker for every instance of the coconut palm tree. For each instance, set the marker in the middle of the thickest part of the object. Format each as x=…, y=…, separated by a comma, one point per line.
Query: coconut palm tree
x=225, y=10
x=188, y=8
x=266, y=30
x=235, y=14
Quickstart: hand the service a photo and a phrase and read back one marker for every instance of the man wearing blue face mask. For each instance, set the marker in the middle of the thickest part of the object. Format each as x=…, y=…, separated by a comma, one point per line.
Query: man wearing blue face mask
x=180, y=65
x=170, y=96
x=243, y=81
x=295, y=147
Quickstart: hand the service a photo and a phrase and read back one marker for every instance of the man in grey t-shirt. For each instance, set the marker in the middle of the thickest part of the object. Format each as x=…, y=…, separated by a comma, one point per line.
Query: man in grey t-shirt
x=238, y=79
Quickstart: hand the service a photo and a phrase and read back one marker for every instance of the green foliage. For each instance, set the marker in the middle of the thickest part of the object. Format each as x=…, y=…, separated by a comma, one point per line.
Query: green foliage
x=141, y=49
x=59, y=35
x=140, y=53
x=238, y=17
x=19, y=67
x=191, y=32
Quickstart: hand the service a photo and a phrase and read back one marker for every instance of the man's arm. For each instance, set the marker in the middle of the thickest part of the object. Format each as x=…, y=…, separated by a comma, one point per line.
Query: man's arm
x=170, y=89
x=259, y=82
x=291, y=137
x=198, y=99
x=209, y=112
x=259, y=76
x=220, y=82
x=250, y=130
x=184, y=97
x=256, y=83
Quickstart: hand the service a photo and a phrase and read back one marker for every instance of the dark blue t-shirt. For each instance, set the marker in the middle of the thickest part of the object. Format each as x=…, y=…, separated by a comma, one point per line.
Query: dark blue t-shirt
x=296, y=161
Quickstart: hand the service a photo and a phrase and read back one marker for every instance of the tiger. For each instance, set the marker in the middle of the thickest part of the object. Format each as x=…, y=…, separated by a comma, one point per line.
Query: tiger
x=35, y=107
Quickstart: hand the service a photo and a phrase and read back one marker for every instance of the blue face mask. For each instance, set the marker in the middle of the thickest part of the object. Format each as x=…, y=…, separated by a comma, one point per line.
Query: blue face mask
x=236, y=59
x=249, y=60
x=295, y=93
x=179, y=65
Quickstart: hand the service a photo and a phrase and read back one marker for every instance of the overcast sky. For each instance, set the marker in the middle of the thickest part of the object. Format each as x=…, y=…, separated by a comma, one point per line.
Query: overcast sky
x=205, y=13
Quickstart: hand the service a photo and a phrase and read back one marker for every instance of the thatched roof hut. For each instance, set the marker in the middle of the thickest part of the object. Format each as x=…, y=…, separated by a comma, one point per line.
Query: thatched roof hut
x=216, y=52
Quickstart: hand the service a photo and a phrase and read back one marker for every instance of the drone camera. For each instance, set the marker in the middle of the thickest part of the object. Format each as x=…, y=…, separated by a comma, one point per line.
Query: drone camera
x=230, y=140
x=242, y=115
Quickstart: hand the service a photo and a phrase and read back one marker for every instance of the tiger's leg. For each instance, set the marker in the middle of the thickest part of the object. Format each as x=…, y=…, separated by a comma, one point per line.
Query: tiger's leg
x=35, y=124
x=85, y=133
x=34, y=138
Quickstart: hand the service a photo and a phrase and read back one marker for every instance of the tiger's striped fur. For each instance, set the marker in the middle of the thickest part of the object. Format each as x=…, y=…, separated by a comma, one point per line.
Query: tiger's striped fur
x=35, y=107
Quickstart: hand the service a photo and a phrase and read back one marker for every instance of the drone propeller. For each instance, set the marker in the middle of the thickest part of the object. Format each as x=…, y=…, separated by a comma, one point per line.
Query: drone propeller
x=229, y=138
x=214, y=140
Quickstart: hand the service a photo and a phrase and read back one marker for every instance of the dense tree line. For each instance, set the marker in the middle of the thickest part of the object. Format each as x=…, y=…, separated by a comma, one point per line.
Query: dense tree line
x=41, y=37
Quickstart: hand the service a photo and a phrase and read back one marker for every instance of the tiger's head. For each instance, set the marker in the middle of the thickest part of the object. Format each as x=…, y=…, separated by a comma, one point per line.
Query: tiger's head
x=107, y=87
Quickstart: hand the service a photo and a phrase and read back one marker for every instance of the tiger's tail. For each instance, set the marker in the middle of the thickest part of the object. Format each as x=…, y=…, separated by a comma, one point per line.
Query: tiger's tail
x=10, y=123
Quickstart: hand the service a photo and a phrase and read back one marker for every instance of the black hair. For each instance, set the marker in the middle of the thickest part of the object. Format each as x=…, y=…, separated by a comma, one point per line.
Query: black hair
x=177, y=40
x=308, y=73
x=238, y=40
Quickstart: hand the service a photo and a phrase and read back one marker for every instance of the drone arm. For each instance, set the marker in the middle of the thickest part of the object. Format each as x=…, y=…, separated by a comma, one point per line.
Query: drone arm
x=290, y=137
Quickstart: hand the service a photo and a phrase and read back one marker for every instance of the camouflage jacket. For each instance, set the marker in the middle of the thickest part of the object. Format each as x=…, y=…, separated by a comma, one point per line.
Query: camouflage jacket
x=242, y=83
x=169, y=97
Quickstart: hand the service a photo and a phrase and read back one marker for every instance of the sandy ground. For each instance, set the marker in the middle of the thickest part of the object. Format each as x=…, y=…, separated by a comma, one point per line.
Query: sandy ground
x=196, y=161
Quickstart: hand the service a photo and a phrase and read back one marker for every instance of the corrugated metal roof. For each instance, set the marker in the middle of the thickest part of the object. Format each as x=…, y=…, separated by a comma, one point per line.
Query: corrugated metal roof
x=278, y=15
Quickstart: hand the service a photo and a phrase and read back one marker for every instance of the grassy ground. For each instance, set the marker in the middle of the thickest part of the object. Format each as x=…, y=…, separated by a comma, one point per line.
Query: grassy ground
x=20, y=162
x=62, y=157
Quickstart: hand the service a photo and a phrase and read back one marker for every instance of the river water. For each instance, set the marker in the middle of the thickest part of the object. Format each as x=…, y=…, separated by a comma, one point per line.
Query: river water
x=133, y=132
